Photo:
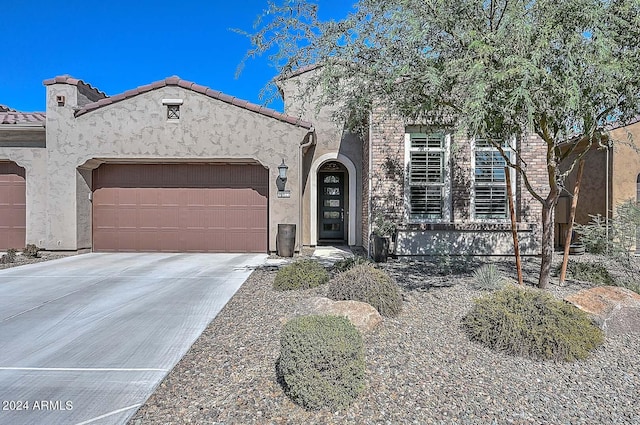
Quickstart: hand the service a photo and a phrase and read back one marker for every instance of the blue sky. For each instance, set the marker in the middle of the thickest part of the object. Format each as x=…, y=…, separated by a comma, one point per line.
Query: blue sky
x=118, y=45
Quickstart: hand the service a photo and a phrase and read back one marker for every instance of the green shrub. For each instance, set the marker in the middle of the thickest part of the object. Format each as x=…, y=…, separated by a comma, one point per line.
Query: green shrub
x=321, y=361
x=594, y=235
x=347, y=263
x=30, y=250
x=589, y=272
x=302, y=274
x=488, y=277
x=632, y=286
x=531, y=323
x=9, y=257
x=368, y=284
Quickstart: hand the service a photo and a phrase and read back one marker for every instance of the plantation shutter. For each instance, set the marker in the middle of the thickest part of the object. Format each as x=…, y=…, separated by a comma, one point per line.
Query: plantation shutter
x=426, y=175
x=490, y=185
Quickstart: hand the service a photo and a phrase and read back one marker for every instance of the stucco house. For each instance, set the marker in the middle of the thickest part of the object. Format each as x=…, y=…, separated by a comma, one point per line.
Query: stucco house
x=611, y=176
x=174, y=166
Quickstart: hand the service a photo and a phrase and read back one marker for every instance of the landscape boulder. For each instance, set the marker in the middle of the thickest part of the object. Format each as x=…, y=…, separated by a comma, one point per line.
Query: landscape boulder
x=615, y=309
x=362, y=315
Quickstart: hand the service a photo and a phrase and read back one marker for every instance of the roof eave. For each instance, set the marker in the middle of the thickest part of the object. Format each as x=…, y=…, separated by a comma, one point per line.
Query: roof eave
x=187, y=85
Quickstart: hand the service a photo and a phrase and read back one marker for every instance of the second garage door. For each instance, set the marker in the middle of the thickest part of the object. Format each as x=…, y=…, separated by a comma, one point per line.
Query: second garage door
x=12, y=206
x=180, y=208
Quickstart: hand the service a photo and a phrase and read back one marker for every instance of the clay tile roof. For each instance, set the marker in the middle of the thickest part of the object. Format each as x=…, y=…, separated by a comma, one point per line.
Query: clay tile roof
x=67, y=79
x=13, y=117
x=5, y=108
x=176, y=81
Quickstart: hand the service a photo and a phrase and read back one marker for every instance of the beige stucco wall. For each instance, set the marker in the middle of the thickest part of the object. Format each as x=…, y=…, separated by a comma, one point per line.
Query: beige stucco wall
x=592, y=198
x=136, y=130
x=622, y=163
x=624, y=167
x=626, y=163
x=330, y=139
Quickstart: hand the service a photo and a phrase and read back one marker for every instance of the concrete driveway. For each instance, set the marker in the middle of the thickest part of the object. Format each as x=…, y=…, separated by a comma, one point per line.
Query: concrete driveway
x=86, y=339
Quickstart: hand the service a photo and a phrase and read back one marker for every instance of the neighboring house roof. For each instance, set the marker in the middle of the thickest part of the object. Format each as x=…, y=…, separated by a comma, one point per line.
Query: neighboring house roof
x=616, y=125
x=177, y=81
x=20, y=118
x=5, y=108
x=298, y=71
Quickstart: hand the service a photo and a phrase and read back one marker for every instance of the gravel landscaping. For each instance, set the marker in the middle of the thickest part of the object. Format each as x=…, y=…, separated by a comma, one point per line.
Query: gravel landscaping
x=421, y=367
x=21, y=260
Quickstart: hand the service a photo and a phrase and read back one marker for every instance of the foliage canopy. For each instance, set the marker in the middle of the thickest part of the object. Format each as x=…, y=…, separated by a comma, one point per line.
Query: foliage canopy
x=562, y=69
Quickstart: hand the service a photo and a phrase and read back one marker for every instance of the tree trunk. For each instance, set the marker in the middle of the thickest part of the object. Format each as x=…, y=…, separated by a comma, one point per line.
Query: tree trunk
x=547, y=242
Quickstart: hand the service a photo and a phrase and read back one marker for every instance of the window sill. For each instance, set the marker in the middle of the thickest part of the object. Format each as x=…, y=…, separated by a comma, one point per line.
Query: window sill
x=465, y=227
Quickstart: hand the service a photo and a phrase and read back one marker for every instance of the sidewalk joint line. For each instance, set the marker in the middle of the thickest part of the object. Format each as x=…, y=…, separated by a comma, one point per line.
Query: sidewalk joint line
x=115, y=412
x=84, y=369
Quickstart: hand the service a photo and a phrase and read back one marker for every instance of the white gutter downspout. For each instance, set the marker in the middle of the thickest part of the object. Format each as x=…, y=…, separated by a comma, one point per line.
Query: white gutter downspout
x=370, y=183
x=301, y=151
x=606, y=199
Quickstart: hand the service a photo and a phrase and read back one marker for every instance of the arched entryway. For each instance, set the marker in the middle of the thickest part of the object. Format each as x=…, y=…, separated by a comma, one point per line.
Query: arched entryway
x=333, y=200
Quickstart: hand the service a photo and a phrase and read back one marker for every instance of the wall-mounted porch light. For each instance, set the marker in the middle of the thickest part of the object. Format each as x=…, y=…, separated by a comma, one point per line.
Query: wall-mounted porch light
x=282, y=176
x=282, y=170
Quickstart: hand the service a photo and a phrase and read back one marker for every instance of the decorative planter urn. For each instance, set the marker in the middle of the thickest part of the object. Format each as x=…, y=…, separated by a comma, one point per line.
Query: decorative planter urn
x=379, y=248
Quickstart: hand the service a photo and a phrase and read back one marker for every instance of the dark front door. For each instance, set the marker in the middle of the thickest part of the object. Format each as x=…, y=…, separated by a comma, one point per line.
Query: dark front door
x=331, y=221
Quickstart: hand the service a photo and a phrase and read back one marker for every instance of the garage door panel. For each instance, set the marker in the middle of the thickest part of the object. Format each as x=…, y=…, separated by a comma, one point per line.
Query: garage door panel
x=245, y=218
x=14, y=193
x=127, y=240
x=12, y=206
x=169, y=217
x=105, y=217
x=181, y=207
x=149, y=196
x=243, y=197
x=127, y=217
x=124, y=196
x=195, y=240
x=217, y=197
x=198, y=218
x=105, y=199
x=15, y=222
x=238, y=238
x=171, y=197
x=196, y=198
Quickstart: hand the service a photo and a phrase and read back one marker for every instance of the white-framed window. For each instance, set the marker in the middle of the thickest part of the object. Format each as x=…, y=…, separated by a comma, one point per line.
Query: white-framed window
x=173, y=112
x=173, y=109
x=427, y=187
x=489, y=198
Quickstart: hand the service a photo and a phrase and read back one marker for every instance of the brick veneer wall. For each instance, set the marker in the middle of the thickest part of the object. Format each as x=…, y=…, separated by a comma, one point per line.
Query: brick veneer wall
x=387, y=166
x=534, y=162
x=365, y=192
x=387, y=144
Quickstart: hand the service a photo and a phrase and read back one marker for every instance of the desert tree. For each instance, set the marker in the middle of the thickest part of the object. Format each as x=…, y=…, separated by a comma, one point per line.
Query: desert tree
x=562, y=69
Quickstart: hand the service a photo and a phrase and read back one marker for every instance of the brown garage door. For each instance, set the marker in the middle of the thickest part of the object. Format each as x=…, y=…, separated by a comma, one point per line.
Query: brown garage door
x=180, y=208
x=12, y=206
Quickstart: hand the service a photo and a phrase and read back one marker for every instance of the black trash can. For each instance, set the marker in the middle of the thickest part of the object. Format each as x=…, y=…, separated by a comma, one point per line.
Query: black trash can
x=286, y=240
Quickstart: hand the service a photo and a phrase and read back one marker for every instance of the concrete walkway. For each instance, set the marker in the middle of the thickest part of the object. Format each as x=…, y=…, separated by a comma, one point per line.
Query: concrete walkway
x=325, y=254
x=330, y=254
x=86, y=339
